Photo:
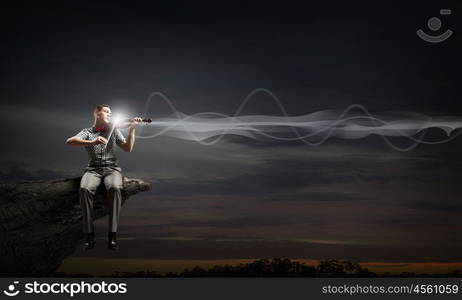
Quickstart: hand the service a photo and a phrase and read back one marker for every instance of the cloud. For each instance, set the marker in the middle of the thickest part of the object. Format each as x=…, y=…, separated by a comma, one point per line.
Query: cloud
x=312, y=179
x=326, y=196
x=446, y=205
x=16, y=173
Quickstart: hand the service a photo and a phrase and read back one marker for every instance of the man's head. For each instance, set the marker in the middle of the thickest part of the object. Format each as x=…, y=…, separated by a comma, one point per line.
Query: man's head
x=102, y=114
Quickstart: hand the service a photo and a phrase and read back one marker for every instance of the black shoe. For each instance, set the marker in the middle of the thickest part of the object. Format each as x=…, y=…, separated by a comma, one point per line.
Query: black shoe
x=112, y=241
x=90, y=241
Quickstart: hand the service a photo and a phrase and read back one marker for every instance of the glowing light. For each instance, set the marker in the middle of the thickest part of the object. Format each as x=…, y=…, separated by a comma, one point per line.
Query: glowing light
x=355, y=122
x=118, y=118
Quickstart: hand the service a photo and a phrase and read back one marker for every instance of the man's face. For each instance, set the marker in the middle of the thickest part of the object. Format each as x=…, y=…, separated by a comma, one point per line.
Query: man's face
x=103, y=115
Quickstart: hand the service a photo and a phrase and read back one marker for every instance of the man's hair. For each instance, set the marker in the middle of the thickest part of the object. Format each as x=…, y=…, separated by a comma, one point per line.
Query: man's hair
x=100, y=107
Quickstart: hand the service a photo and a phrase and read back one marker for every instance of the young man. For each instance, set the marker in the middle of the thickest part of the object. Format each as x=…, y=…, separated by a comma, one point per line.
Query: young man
x=102, y=166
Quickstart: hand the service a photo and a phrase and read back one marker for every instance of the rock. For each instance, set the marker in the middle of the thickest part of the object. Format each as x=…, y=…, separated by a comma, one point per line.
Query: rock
x=41, y=223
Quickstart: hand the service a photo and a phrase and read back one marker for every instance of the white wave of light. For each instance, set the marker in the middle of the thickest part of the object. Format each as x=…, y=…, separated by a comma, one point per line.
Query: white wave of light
x=313, y=129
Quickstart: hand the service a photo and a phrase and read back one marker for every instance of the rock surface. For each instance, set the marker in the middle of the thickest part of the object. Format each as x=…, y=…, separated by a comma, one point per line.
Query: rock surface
x=41, y=223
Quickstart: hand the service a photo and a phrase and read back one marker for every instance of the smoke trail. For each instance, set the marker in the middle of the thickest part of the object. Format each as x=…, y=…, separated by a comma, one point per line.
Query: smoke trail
x=313, y=129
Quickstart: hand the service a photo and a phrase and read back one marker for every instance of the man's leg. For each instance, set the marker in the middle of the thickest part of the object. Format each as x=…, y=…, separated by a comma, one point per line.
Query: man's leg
x=88, y=184
x=114, y=184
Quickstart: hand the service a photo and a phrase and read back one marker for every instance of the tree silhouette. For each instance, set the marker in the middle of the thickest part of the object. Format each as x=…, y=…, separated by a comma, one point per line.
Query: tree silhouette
x=276, y=267
x=341, y=268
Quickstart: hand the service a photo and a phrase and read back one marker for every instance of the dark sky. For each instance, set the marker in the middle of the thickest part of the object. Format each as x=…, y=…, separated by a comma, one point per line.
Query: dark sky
x=60, y=60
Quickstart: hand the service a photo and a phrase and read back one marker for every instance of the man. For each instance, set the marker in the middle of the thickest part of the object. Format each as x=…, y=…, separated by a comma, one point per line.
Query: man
x=100, y=141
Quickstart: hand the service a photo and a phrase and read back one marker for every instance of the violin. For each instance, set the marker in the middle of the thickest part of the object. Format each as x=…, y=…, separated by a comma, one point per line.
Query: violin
x=124, y=123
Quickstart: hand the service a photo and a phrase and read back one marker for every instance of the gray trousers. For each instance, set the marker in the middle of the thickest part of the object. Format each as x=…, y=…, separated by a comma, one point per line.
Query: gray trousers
x=91, y=179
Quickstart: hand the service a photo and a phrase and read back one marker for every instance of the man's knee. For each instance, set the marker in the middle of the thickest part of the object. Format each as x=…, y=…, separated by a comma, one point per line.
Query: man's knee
x=116, y=183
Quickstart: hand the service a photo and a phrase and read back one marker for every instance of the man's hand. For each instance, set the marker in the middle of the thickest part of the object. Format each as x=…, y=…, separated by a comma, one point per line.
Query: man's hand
x=99, y=140
x=135, y=123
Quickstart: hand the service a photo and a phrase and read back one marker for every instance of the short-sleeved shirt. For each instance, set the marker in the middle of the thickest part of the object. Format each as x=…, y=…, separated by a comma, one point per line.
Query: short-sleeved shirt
x=98, y=156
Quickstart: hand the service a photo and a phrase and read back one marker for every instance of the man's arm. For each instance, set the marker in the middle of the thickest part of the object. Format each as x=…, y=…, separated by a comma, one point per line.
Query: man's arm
x=77, y=141
x=130, y=142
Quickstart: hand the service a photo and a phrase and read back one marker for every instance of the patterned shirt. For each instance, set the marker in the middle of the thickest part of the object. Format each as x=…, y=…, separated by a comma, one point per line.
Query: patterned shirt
x=97, y=156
